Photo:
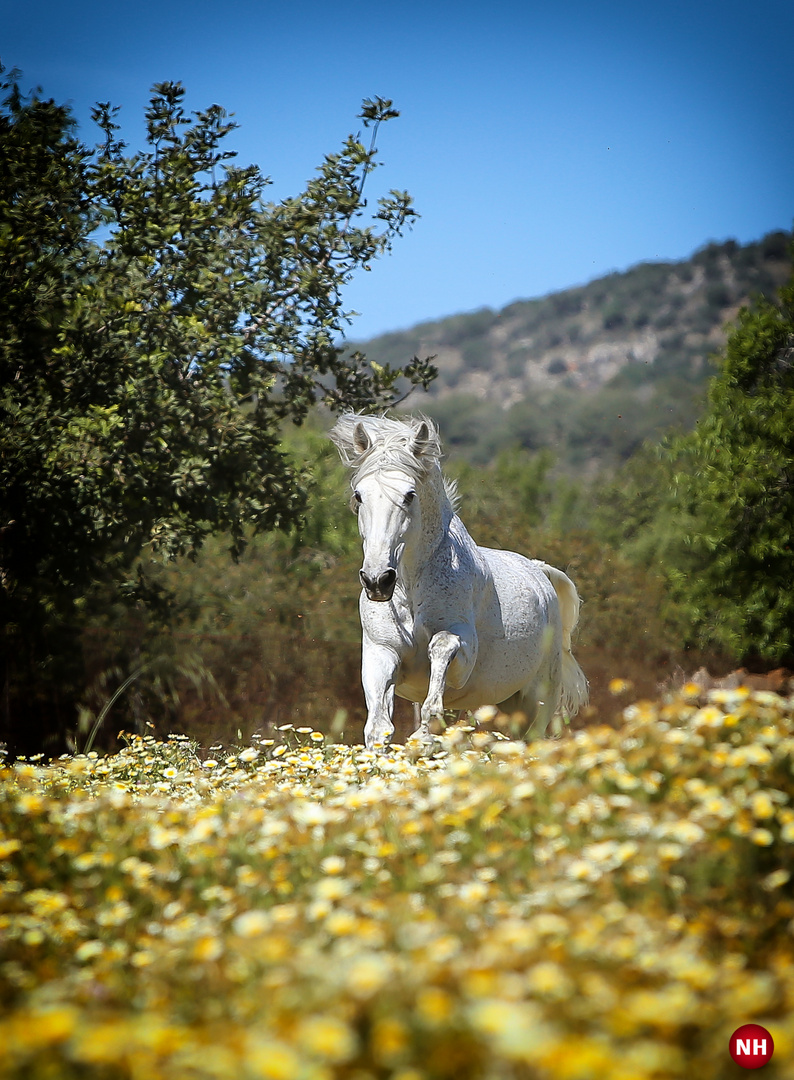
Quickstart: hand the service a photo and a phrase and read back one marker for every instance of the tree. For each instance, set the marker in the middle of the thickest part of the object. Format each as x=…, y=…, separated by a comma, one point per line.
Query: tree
x=733, y=497
x=158, y=323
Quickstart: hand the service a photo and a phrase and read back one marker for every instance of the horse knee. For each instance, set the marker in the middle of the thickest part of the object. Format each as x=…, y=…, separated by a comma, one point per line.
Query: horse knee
x=443, y=647
x=454, y=655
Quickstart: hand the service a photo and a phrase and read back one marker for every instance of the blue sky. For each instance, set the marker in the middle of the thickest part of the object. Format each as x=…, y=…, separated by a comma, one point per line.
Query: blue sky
x=545, y=144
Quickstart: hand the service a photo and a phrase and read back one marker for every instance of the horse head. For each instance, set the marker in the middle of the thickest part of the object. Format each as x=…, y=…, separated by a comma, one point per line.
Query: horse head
x=390, y=460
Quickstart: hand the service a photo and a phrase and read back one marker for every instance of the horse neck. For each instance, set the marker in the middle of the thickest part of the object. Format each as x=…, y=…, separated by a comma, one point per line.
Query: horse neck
x=437, y=514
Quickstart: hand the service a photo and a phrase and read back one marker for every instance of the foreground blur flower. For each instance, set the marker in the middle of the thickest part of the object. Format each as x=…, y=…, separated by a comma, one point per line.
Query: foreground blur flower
x=333, y=864
x=251, y=924
x=327, y=1038
x=762, y=837
x=603, y=904
x=619, y=686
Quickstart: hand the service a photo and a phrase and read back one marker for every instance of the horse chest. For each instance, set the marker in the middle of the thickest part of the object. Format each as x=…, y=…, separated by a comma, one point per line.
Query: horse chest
x=391, y=624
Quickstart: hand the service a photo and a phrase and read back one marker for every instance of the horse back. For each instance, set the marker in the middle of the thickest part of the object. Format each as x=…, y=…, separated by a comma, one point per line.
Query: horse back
x=522, y=587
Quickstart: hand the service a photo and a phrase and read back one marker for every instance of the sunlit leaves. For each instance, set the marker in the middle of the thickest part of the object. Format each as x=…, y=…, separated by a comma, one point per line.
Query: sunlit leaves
x=159, y=320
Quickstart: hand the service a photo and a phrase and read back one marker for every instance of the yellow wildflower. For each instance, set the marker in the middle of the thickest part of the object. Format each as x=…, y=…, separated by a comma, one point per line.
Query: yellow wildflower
x=332, y=888
x=775, y=880
x=761, y=837
x=367, y=974
x=549, y=980
x=272, y=1060
x=434, y=1006
x=761, y=805
x=208, y=947
x=333, y=864
x=327, y=1037
x=251, y=924
x=389, y=1040
x=341, y=923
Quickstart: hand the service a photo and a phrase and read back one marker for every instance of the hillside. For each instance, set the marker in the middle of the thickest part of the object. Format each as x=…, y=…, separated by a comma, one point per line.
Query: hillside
x=591, y=371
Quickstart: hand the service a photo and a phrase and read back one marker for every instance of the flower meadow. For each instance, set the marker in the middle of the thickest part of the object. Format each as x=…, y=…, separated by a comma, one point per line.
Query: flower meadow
x=611, y=903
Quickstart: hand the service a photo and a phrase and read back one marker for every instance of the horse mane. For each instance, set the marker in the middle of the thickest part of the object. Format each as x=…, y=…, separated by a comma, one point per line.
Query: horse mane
x=391, y=444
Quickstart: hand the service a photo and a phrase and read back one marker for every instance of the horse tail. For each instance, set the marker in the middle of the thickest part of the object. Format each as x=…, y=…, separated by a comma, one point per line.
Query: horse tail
x=575, y=691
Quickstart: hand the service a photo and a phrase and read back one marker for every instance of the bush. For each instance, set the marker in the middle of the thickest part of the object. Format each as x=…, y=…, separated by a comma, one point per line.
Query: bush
x=613, y=319
x=735, y=497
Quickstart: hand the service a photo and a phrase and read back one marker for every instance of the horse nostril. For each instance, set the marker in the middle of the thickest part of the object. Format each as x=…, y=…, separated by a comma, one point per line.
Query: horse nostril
x=379, y=588
x=387, y=580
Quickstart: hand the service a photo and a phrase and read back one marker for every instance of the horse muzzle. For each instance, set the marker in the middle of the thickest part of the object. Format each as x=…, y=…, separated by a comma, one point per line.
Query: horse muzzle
x=381, y=588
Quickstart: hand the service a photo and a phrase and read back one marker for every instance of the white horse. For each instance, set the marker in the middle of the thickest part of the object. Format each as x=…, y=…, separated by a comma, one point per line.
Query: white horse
x=445, y=622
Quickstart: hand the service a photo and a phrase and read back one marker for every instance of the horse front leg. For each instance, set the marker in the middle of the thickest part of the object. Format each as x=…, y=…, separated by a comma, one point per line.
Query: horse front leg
x=379, y=667
x=452, y=658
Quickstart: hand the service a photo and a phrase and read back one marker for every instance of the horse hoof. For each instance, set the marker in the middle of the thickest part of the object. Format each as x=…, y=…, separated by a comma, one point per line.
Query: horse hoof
x=422, y=744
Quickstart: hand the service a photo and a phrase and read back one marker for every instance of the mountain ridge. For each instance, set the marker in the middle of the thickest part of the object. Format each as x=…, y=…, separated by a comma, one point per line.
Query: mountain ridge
x=642, y=336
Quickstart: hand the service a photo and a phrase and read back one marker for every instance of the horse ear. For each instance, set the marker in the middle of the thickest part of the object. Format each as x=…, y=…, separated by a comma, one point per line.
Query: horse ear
x=421, y=440
x=361, y=440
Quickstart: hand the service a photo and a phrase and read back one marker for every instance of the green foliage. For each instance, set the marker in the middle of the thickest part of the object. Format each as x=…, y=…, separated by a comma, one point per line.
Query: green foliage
x=713, y=510
x=269, y=638
x=158, y=323
x=734, y=492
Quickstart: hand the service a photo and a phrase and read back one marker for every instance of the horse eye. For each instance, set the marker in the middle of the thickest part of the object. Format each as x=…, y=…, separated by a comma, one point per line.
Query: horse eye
x=355, y=502
x=409, y=497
